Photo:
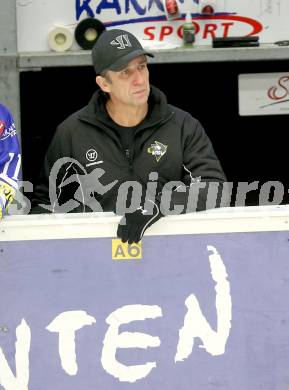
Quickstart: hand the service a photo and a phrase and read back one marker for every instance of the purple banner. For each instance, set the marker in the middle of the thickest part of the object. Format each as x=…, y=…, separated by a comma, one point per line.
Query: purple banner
x=199, y=312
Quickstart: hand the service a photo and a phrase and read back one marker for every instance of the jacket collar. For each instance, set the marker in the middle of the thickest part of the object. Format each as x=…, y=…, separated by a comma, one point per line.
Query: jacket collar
x=95, y=112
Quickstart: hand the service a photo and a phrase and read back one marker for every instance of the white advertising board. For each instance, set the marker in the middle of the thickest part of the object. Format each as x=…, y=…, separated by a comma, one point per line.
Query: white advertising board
x=147, y=19
x=264, y=94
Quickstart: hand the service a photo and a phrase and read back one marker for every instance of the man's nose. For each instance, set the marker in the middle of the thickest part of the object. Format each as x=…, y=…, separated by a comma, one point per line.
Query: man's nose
x=138, y=77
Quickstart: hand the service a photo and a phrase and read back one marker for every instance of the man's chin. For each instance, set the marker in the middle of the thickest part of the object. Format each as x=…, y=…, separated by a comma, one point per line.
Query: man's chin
x=141, y=98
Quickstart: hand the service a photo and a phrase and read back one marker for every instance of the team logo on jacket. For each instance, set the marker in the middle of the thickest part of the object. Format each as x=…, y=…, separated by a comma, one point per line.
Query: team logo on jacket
x=6, y=132
x=2, y=127
x=157, y=149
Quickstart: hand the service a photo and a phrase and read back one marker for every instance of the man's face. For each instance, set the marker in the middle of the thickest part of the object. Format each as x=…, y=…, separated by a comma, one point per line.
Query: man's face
x=130, y=86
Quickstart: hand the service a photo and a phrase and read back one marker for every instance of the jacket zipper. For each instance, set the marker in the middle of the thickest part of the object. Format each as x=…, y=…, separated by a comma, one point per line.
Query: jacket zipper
x=129, y=159
x=128, y=153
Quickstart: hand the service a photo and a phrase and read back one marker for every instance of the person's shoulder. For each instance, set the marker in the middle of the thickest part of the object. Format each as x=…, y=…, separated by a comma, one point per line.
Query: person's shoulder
x=178, y=111
x=71, y=121
x=85, y=114
x=182, y=115
x=3, y=108
x=7, y=125
x=5, y=113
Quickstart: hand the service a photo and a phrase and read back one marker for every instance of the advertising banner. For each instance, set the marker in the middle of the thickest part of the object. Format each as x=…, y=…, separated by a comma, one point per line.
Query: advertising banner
x=264, y=94
x=180, y=312
x=151, y=21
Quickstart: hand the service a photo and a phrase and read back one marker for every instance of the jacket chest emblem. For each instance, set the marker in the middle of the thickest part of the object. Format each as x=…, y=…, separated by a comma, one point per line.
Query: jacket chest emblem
x=158, y=150
x=91, y=157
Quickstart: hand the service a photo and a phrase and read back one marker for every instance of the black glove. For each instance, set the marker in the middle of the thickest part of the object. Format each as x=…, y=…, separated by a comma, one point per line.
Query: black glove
x=133, y=225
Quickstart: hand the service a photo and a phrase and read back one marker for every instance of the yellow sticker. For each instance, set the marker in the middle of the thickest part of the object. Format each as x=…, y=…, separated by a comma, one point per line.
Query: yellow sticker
x=7, y=193
x=124, y=251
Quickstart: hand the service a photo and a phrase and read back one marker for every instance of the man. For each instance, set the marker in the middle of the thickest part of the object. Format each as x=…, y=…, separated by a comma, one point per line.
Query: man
x=128, y=150
x=10, y=160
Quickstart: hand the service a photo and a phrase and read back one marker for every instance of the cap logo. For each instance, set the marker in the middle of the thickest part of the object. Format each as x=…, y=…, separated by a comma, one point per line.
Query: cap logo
x=121, y=42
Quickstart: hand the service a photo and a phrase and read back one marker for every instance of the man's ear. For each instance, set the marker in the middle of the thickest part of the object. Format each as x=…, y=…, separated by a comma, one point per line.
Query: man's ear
x=103, y=84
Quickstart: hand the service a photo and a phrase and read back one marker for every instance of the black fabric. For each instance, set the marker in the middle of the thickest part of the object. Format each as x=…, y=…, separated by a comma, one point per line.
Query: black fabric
x=125, y=133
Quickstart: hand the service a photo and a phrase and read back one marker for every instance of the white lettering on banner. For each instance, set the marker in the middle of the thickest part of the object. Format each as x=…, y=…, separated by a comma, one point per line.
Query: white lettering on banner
x=114, y=340
x=67, y=323
x=22, y=347
x=196, y=325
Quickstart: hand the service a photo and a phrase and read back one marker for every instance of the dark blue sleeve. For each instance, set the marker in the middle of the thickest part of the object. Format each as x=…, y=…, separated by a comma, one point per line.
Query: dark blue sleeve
x=10, y=159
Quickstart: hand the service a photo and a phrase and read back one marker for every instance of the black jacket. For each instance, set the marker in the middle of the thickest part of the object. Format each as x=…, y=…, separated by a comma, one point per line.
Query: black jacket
x=169, y=141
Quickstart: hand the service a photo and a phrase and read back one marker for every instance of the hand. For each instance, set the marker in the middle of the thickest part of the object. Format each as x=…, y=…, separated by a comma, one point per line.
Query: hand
x=133, y=225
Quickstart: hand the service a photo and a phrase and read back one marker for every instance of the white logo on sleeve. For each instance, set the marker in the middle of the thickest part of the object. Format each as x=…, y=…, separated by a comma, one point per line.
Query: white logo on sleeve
x=6, y=132
x=121, y=42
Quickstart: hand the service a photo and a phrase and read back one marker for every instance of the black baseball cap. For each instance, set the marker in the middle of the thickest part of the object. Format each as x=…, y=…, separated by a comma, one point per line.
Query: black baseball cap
x=114, y=49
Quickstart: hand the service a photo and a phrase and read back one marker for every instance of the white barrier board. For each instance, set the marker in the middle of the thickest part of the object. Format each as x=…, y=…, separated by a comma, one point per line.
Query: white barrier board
x=264, y=94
